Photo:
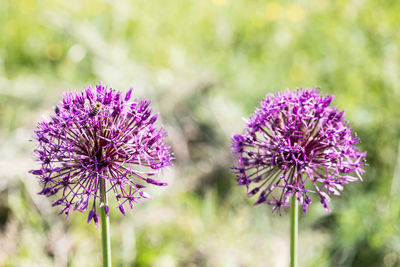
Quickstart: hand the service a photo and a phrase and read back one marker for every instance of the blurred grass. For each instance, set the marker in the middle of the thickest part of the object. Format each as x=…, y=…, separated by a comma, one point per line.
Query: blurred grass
x=205, y=65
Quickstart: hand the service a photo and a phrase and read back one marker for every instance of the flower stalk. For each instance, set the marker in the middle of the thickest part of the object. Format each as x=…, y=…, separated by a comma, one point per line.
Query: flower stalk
x=105, y=227
x=294, y=224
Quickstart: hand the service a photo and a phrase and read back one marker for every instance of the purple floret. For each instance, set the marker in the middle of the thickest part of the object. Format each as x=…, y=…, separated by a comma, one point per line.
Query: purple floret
x=97, y=135
x=296, y=144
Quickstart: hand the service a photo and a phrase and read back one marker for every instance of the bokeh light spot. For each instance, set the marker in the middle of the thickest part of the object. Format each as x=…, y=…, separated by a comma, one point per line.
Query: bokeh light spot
x=273, y=11
x=296, y=13
x=219, y=2
x=76, y=53
x=54, y=51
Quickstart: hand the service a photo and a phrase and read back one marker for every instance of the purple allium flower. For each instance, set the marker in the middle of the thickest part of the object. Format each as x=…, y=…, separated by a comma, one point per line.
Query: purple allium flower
x=296, y=144
x=98, y=139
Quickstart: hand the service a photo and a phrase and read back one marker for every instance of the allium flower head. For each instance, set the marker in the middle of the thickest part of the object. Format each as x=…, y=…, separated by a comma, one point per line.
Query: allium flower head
x=97, y=139
x=296, y=144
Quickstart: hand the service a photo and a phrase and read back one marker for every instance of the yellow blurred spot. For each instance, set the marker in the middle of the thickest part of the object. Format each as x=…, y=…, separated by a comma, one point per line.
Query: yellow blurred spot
x=219, y=2
x=11, y=27
x=273, y=11
x=296, y=73
x=27, y=6
x=257, y=21
x=296, y=13
x=53, y=51
x=321, y=5
x=96, y=7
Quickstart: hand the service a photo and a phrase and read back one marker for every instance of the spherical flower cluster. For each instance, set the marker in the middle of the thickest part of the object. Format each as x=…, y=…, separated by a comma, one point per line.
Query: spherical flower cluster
x=96, y=143
x=296, y=144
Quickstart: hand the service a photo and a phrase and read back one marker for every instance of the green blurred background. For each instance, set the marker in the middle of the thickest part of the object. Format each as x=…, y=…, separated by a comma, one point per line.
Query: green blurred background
x=205, y=65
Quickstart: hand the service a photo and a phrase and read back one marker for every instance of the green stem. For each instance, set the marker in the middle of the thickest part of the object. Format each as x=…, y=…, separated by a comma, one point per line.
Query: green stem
x=105, y=227
x=294, y=225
